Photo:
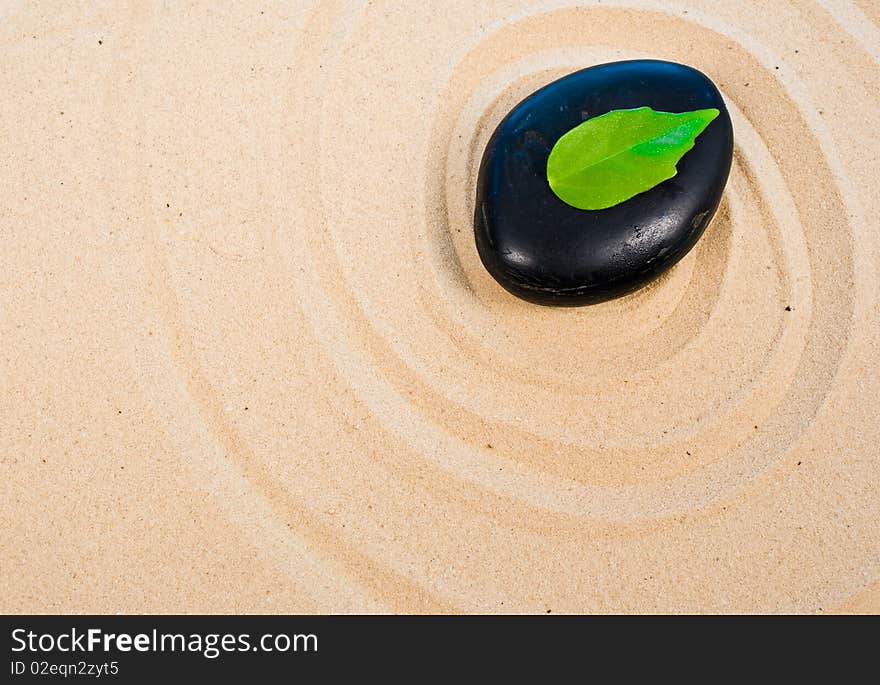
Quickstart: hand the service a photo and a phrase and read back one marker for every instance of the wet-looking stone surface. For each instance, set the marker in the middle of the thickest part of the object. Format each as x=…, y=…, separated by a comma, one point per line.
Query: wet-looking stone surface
x=548, y=252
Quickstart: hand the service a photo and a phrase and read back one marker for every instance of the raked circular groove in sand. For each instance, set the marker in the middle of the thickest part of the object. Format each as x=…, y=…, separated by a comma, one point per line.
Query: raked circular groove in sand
x=464, y=370
x=393, y=431
x=472, y=462
x=681, y=402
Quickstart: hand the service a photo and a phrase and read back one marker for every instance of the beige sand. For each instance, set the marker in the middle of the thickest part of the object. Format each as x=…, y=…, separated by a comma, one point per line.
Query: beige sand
x=251, y=363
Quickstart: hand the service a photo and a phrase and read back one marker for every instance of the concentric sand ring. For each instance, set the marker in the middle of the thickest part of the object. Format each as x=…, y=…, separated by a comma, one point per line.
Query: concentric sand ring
x=439, y=443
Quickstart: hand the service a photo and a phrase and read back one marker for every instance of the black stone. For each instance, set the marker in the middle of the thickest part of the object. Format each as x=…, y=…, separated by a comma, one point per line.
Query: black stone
x=548, y=252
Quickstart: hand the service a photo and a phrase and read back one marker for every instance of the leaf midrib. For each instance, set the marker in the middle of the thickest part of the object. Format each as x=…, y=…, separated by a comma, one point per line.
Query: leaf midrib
x=562, y=179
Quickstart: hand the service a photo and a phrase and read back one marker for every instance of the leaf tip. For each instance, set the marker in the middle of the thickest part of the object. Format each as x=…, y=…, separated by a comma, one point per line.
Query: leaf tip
x=711, y=113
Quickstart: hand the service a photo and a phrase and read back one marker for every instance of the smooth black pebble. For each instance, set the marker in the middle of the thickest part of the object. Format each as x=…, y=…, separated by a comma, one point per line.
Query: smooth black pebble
x=548, y=252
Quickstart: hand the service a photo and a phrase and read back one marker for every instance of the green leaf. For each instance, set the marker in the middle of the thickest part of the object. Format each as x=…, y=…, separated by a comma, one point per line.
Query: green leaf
x=613, y=157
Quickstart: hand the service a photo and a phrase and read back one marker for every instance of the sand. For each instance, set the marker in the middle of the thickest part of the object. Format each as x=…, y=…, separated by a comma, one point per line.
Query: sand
x=251, y=362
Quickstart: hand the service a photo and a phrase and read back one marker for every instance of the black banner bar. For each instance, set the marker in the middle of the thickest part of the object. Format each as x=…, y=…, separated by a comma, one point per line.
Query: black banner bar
x=146, y=648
